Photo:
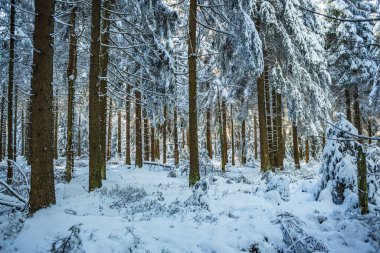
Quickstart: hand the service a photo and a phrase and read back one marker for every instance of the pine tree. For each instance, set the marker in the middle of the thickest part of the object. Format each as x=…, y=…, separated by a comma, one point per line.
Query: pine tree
x=42, y=192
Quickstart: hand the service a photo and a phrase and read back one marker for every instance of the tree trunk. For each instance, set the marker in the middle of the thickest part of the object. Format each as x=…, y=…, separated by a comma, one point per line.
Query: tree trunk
x=223, y=160
x=104, y=59
x=264, y=148
x=146, y=135
x=56, y=124
x=128, y=126
x=176, y=150
x=10, y=91
x=362, y=181
x=280, y=139
x=193, y=117
x=269, y=115
x=71, y=76
x=275, y=143
x=296, y=153
x=243, y=144
x=15, y=125
x=152, y=144
x=370, y=129
x=348, y=104
x=164, y=128
x=255, y=135
x=119, y=133
x=224, y=124
x=232, y=140
x=138, y=144
x=307, y=151
x=79, y=152
x=22, y=132
x=2, y=125
x=357, y=113
x=208, y=131
x=109, y=132
x=42, y=192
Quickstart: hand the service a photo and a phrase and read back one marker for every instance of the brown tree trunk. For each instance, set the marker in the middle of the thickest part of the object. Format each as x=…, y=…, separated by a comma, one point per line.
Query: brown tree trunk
x=362, y=181
x=224, y=124
x=104, y=59
x=296, y=153
x=370, y=129
x=269, y=116
x=255, y=135
x=56, y=124
x=22, y=132
x=128, y=126
x=164, y=128
x=10, y=91
x=109, y=133
x=307, y=151
x=348, y=104
x=275, y=151
x=280, y=139
x=176, y=148
x=119, y=133
x=71, y=77
x=357, y=113
x=193, y=117
x=2, y=125
x=15, y=124
x=208, y=133
x=138, y=133
x=146, y=135
x=233, y=140
x=223, y=160
x=95, y=172
x=152, y=144
x=243, y=144
x=42, y=192
x=264, y=148
x=79, y=152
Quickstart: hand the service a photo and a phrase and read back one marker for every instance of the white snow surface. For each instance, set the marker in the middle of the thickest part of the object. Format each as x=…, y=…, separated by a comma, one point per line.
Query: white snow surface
x=144, y=210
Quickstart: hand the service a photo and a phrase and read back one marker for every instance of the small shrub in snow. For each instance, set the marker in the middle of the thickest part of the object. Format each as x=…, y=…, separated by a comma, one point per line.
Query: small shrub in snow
x=294, y=236
x=124, y=196
x=339, y=163
x=173, y=173
x=199, y=196
x=278, y=183
x=69, y=244
x=239, y=179
x=373, y=174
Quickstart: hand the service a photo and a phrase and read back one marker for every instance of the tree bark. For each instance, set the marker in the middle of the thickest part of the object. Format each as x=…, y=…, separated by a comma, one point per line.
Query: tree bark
x=269, y=116
x=193, y=117
x=56, y=124
x=307, y=151
x=95, y=171
x=296, y=153
x=280, y=139
x=348, y=104
x=42, y=192
x=255, y=136
x=71, y=77
x=208, y=131
x=233, y=140
x=10, y=91
x=175, y=130
x=22, y=132
x=243, y=144
x=164, y=128
x=79, y=152
x=224, y=124
x=152, y=144
x=2, y=125
x=275, y=140
x=264, y=148
x=128, y=126
x=146, y=135
x=362, y=181
x=369, y=129
x=357, y=113
x=104, y=59
x=119, y=133
x=109, y=133
x=138, y=143
x=14, y=157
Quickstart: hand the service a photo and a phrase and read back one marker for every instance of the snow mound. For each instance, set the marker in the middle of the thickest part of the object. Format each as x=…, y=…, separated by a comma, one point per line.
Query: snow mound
x=200, y=195
x=277, y=183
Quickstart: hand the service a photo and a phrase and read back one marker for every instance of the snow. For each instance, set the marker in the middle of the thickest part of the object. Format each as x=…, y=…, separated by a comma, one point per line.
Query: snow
x=144, y=210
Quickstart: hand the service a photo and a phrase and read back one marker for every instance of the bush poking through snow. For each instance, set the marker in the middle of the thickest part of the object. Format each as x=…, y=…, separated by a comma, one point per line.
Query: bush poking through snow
x=125, y=195
x=278, y=183
x=69, y=244
x=295, y=238
x=173, y=173
x=200, y=195
x=339, y=162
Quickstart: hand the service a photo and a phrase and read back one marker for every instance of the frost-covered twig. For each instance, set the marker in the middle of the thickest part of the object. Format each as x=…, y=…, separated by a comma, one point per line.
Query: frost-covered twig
x=22, y=173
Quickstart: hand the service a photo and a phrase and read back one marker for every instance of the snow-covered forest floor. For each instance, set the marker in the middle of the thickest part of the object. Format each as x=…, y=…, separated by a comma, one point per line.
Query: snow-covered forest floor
x=153, y=210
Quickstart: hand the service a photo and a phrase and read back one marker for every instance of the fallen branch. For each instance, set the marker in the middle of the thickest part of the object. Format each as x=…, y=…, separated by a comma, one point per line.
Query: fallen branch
x=21, y=198
x=11, y=204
